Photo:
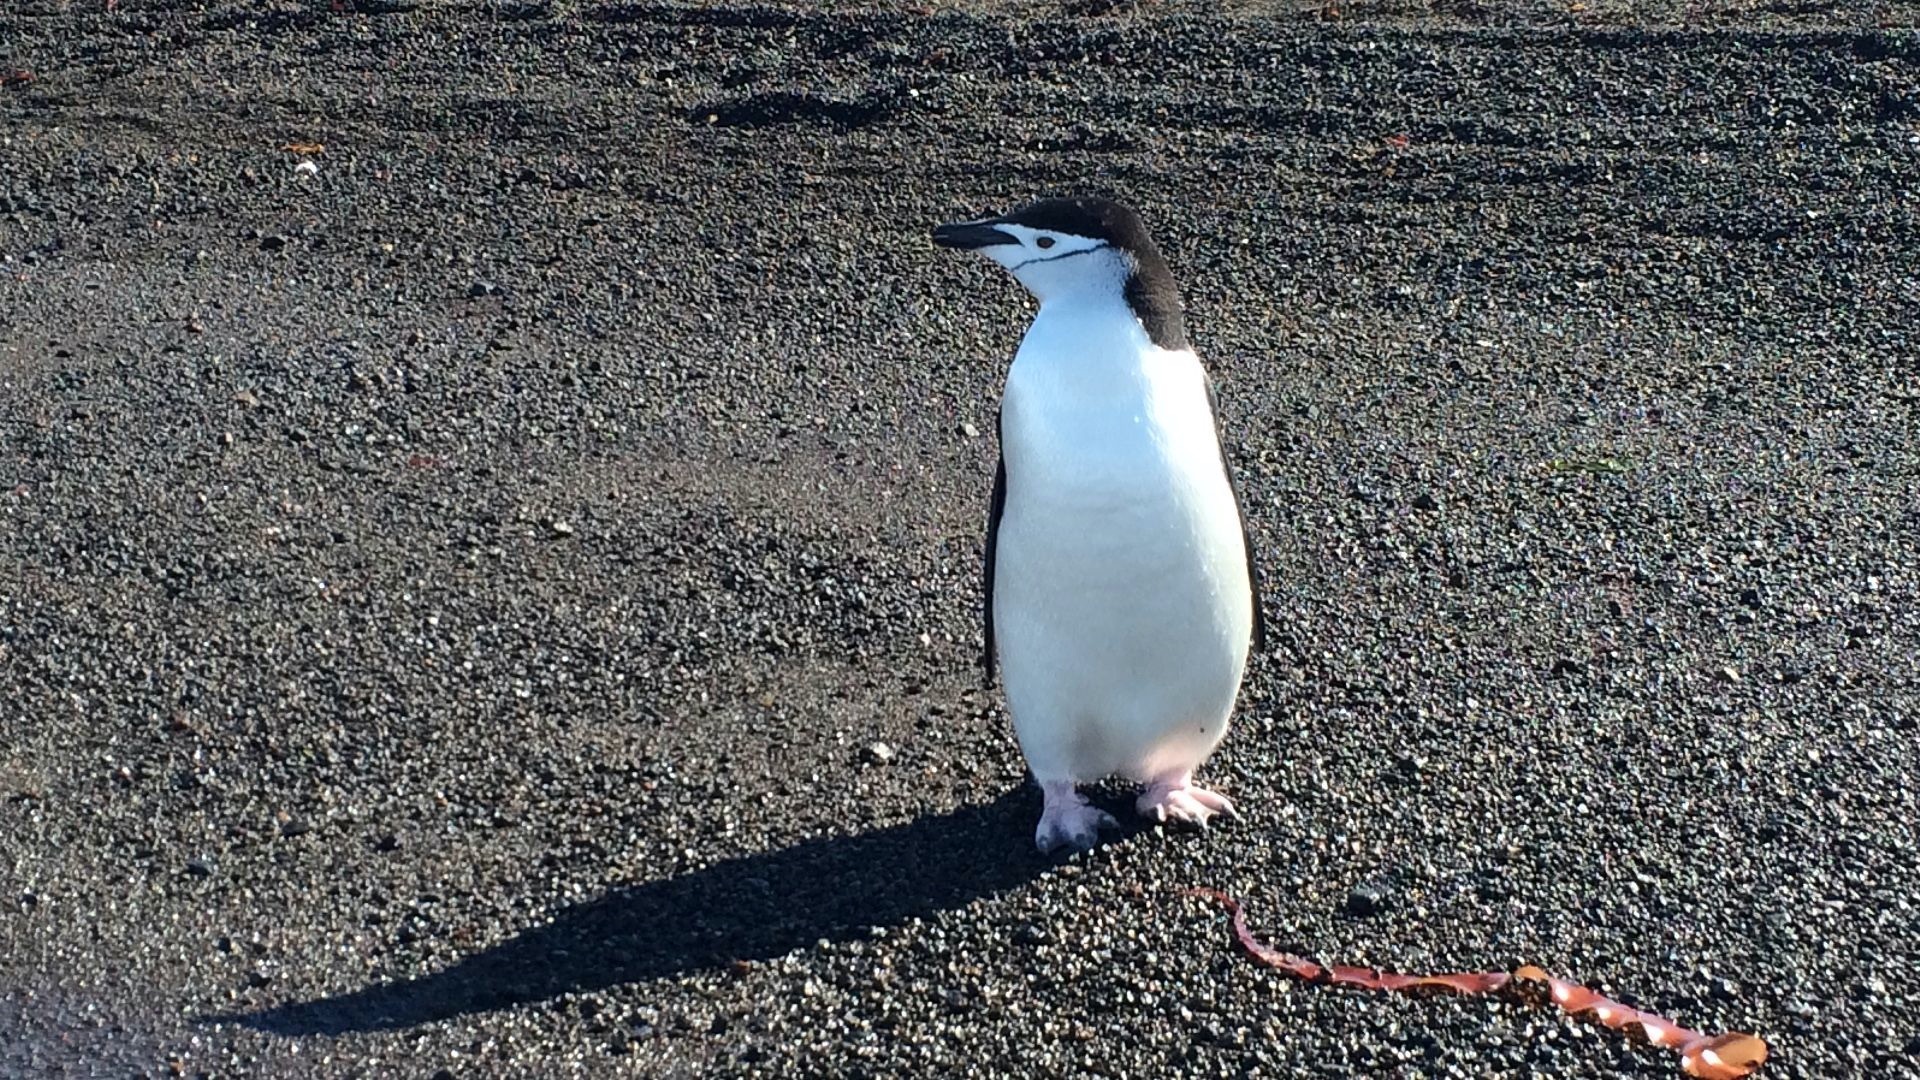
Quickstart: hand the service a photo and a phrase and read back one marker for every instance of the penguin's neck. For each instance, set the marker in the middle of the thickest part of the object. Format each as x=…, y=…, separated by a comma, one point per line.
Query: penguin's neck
x=1088, y=342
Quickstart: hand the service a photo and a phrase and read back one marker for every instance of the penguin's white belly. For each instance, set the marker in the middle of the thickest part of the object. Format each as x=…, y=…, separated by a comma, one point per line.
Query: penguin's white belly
x=1122, y=606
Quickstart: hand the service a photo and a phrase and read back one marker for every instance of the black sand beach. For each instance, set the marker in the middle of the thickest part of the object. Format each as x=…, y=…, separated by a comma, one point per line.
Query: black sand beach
x=503, y=600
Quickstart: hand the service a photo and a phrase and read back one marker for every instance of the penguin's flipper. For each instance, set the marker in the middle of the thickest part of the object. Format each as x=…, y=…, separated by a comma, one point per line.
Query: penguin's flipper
x=1246, y=533
x=996, y=507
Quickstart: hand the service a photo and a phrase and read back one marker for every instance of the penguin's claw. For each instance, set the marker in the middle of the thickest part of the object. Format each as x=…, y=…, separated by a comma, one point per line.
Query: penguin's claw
x=1067, y=821
x=1180, y=802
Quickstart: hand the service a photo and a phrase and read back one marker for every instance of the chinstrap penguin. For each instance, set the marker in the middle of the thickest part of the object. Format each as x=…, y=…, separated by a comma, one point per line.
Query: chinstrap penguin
x=1121, y=595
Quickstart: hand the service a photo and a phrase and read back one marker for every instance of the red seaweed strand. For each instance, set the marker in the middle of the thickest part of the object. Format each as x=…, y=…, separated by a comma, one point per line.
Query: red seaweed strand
x=1731, y=1056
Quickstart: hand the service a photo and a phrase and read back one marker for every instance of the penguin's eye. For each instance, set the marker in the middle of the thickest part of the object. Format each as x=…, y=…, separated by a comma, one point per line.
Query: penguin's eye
x=1044, y=242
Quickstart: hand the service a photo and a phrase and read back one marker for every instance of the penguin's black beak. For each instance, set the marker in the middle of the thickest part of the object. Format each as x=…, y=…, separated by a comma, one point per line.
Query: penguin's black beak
x=968, y=235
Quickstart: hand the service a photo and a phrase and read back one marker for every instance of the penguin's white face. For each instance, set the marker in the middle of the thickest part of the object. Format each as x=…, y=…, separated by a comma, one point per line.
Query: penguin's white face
x=1048, y=262
x=1033, y=246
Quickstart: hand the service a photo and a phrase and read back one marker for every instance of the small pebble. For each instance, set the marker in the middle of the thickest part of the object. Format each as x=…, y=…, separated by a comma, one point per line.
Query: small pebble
x=1368, y=898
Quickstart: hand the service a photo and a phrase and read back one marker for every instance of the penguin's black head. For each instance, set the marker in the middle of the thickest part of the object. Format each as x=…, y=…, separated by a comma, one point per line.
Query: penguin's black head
x=1060, y=246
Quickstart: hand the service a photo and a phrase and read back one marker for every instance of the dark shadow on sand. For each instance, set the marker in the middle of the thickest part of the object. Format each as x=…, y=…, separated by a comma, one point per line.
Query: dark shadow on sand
x=749, y=908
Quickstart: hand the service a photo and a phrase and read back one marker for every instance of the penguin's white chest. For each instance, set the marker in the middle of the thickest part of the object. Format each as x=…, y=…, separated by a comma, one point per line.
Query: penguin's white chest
x=1122, y=605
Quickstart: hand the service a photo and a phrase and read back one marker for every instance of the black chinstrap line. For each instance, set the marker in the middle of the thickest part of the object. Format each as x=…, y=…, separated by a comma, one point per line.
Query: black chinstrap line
x=1057, y=258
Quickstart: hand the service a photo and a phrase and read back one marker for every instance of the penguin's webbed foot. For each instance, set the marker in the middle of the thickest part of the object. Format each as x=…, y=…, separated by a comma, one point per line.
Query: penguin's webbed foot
x=1176, y=799
x=1068, y=821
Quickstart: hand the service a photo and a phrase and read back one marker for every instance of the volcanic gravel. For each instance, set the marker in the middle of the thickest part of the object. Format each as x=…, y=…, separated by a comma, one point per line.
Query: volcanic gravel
x=491, y=498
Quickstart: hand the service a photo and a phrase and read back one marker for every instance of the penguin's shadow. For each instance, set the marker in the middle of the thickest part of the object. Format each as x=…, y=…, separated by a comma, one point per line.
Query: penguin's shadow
x=749, y=908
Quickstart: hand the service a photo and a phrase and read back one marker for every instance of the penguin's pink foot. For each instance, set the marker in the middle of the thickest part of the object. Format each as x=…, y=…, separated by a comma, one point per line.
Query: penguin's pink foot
x=1176, y=799
x=1067, y=821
